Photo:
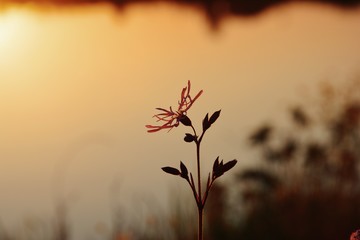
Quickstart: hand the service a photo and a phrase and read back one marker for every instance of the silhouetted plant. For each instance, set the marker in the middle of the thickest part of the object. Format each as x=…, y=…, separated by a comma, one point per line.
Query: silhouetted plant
x=171, y=119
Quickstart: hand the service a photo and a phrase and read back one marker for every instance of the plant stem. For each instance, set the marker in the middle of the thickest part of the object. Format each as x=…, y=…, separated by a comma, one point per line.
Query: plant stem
x=200, y=230
x=200, y=204
x=199, y=200
x=198, y=170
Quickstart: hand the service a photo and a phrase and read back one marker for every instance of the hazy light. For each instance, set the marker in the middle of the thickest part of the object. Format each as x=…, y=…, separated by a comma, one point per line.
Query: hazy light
x=14, y=35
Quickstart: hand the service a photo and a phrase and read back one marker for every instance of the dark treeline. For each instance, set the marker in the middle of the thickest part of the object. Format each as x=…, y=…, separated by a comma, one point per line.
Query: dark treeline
x=214, y=9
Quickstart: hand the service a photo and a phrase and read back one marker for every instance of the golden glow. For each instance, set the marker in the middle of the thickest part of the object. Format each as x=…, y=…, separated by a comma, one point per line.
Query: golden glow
x=75, y=79
x=14, y=33
x=9, y=26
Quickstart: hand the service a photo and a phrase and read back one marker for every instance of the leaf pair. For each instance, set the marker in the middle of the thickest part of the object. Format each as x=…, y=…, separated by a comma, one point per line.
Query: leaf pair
x=219, y=168
x=208, y=121
x=183, y=172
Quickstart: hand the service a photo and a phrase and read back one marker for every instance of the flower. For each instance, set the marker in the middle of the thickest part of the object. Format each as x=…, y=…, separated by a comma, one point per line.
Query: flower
x=355, y=235
x=172, y=118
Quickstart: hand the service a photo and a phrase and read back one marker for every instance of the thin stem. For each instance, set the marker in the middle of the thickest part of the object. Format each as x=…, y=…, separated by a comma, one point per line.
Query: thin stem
x=191, y=183
x=206, y=194
x=199, y=200
x=193, y=130
x=197, y=142
x=200, y=204
x=198, y=170
x=200, y=230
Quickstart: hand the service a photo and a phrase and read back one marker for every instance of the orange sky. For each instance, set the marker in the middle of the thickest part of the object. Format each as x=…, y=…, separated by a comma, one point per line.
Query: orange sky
x=78, y=86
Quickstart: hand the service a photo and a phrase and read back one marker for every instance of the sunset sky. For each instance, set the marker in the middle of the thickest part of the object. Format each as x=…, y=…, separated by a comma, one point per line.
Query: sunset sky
x=78, y=85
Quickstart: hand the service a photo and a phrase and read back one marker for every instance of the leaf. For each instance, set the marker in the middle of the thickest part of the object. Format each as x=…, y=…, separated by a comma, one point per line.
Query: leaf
x=215, y=168
x=220, y=169
x=185, y=120
x=206, y=124
x=189, y=137
x=171, y=170
x=214, y=117
x=229, y=165
x=216, y=164
x=184, y=171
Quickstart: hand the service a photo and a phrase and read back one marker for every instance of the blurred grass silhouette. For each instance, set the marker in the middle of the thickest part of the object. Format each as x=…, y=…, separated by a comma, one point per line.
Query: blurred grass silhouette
x=308, y=185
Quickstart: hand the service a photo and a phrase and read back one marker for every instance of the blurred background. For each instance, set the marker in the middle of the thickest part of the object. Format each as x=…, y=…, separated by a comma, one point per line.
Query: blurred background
x=79, y=80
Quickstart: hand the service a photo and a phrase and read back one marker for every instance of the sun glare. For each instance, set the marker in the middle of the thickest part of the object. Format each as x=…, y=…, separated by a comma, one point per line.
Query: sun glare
x=13, y=31
x=9, y=26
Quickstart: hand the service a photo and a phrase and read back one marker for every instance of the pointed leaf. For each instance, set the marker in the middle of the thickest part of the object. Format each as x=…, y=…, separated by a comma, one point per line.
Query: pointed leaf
x=171, y=170
x=184, y=171
x=216, y=164
x=219, y=170
x=214, y=117
x=229, y=165
x=206, y=123
x=215, y=171
x=183, y=168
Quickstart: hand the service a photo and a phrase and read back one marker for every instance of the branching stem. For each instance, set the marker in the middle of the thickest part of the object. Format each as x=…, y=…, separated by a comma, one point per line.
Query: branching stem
x=199, y=199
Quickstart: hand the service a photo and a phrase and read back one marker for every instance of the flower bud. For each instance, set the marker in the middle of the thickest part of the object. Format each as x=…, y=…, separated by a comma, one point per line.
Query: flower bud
x=185, y=120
